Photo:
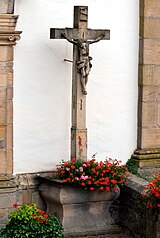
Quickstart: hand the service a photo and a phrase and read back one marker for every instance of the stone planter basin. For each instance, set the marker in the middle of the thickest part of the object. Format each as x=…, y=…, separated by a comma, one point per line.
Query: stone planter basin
x=80, y=212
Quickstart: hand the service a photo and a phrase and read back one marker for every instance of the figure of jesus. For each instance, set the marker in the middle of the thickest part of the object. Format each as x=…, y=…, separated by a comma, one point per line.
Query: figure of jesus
x=84, y=60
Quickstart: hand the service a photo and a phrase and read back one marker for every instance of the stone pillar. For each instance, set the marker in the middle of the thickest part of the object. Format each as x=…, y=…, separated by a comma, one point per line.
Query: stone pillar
x=8, y=38
x=148, y=145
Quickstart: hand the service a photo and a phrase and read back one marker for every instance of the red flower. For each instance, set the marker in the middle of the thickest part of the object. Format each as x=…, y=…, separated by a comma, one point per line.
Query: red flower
x=45, y=216
x=15, y=205
x=66, y=164
x=115, y=189
x=91, y=188
x=158, y=205
x=91, y=175
x=41, y=212
x=157, y=194
x=113, y=181
x=107, y=189
x=93, y=170
x=101, y=188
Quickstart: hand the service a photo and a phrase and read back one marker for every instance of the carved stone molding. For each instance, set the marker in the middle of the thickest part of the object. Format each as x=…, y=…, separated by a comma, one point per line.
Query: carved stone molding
x=8, y=35
x=8, y=21
x=9, y=38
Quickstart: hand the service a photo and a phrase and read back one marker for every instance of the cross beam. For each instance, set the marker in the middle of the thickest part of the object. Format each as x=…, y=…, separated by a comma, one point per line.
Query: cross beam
x=81, y=37
x=74, y=33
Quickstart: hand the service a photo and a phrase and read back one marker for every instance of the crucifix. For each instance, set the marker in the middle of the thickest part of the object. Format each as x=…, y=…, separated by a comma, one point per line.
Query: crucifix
x=81, y=37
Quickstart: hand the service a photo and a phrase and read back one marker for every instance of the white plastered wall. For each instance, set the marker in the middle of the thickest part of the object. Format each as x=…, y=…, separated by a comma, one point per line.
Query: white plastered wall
x=42, y=83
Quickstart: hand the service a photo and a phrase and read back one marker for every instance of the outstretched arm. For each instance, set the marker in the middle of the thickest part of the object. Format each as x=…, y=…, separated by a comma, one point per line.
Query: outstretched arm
x=68, y=38
x=98, y=39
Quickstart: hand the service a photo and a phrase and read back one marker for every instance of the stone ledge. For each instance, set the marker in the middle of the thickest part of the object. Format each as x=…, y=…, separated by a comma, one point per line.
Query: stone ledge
x=147, y=158
x=29, y=179
x=7, y=182
x=136, y=183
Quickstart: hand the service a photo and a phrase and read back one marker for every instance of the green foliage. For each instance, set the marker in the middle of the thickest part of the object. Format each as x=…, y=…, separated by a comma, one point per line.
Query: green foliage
x=132, y=167
x=27, y=222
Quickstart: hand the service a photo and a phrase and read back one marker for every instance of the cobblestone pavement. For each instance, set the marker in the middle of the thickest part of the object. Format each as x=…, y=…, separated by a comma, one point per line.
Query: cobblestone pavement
x=121, y=235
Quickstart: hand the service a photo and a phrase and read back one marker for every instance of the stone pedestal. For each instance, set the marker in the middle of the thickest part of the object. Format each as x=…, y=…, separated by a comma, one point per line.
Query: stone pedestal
x=80, y=212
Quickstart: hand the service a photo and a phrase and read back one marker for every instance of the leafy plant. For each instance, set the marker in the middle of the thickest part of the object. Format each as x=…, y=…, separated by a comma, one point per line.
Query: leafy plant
x=28, y=221
x=151, y=194
x=92, y=175
x=132, y=167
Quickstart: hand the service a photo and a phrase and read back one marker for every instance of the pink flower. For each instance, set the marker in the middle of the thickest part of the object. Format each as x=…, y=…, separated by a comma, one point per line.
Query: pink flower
x=84, y=177
x=68, y=169
x=81, y=169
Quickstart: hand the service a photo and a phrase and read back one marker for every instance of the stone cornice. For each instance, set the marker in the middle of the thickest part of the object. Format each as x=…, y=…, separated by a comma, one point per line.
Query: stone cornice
x=8, y=35
x=9, y=38
x=8, y=21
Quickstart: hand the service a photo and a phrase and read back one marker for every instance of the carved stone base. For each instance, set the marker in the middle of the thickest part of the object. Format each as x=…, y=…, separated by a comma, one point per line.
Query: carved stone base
x=147, y=158
x=80, y=212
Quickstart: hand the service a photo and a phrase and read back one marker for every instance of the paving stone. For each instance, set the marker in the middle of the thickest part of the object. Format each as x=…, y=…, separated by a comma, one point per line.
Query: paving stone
x=122, y=235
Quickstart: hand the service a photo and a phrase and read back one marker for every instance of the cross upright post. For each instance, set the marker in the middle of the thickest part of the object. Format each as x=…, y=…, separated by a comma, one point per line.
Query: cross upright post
x=81, y=37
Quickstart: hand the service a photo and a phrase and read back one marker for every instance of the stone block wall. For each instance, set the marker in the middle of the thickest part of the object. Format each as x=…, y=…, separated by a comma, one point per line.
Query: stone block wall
x=148, y=132
x=8, y=38
x=20, y=189
x=137, y=221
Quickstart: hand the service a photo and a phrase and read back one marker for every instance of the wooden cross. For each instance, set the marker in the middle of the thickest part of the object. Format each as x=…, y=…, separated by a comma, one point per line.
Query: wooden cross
x=81, y=37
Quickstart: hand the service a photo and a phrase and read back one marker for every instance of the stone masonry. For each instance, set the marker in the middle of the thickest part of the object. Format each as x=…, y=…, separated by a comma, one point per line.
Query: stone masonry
x=135, y=219
x=8, y=38
x=18, y=189
x=24, y=188
x=148, y=144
